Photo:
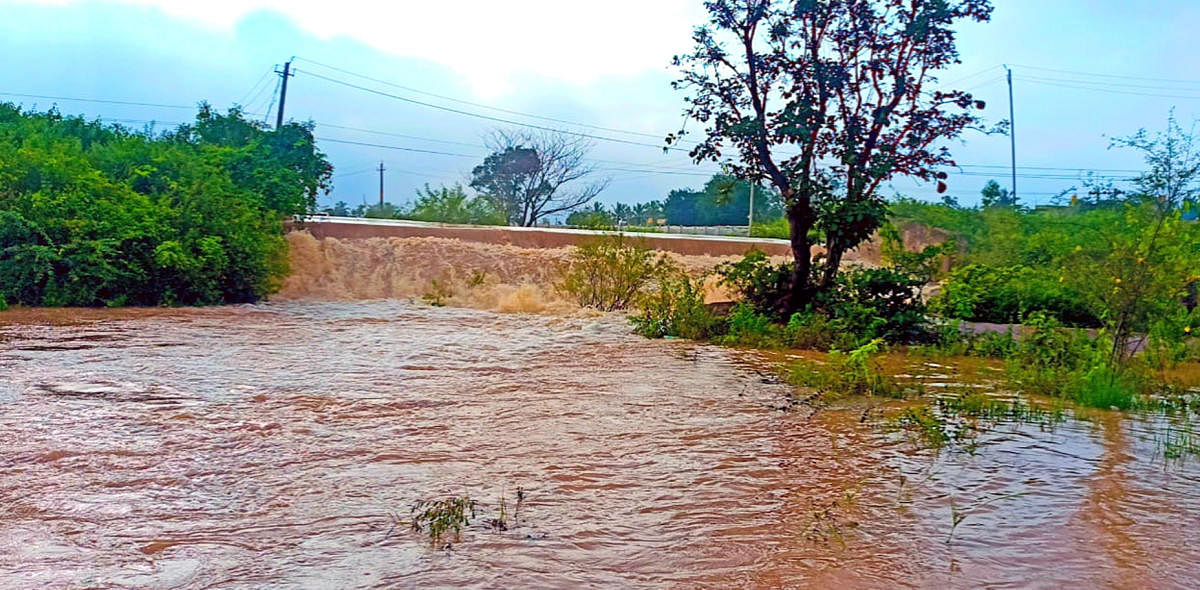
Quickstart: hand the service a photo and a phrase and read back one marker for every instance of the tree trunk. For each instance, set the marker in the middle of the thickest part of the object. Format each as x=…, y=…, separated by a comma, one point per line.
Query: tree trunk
x=834, y=250
x=800, y=221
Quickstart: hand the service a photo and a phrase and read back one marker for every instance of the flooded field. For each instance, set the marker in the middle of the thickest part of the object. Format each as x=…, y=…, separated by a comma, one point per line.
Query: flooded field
x=282, y=446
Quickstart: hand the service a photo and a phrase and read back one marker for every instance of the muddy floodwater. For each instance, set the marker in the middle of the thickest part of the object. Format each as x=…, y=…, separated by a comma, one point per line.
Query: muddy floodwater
x=282, y=446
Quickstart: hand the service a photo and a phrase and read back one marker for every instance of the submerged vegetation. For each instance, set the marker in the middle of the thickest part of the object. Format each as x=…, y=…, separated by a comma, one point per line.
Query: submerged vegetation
x=442, y=518
x=1096, y=298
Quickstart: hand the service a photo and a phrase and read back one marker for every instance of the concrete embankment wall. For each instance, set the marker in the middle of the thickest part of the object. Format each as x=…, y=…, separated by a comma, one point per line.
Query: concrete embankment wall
x=526, y=237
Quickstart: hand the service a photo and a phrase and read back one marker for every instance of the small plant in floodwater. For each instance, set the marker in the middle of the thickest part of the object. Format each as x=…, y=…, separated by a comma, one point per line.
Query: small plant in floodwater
x=500, y=522
x=958, y=516
x=1179, y=444
x=829, y=519
x=675, y=307
x=477, y=279
x=442, y=517
x=929, y=427
x=439, y=292
x=961, y=419
x=847, y=374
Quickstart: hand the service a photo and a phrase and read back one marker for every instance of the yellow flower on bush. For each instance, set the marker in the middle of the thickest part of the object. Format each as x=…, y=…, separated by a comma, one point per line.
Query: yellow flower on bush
x=1187, y=329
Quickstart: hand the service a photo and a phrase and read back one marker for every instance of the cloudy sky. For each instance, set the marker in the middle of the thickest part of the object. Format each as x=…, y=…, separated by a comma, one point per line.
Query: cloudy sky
x=1084, y=69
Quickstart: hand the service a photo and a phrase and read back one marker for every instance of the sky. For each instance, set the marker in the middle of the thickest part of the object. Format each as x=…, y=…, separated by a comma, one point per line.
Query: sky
x=1084, y=71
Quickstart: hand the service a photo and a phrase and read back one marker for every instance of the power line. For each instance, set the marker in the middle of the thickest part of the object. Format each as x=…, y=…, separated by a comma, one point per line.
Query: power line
x=1111, y=91
x=394, y=147
x=1102, y=84
x=100, y=100
x=480, y=105
x=271, y=104
x=489, y=117
x=255, y=90
x=1115, y=76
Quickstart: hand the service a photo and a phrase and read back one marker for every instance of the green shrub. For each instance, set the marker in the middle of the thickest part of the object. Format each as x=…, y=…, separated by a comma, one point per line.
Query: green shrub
x=778, y=228
x=675, y=308
x=747, y=327
x=863, y=304
x=812, y=331
x=761, y=284
x=847, y=374
x=92, y=214
x=609, y=273
x=1101, y=387
x=1007, y=295
x=878, y=303
x=450, y=205
x=953, y=341
x=3, y=303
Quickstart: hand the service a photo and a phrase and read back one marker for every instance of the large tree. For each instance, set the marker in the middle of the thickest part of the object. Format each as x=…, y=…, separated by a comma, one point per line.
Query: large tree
x=531, y=176
x=827, y=100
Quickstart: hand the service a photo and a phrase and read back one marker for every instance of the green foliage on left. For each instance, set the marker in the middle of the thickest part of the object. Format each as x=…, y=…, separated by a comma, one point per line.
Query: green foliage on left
x=94, y=214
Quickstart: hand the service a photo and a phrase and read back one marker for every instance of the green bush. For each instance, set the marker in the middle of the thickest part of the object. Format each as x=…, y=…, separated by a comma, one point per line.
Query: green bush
x=811, y=331
x=675, y=308
x=864, y=303
x=847, y=374
x=95, y=215
x=878, y=303
x=747, y=327
x=1007, y=295
x=778, y=228
x=610, y=272
x=450, y=205
x=761, y=284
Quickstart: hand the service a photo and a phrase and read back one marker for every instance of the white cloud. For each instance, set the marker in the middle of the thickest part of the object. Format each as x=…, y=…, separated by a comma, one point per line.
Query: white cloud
x=486, y=41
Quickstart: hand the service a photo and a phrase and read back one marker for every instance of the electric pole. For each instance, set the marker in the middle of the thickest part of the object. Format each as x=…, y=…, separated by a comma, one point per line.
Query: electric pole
x=285, y=74
x=1012, y=135
x=750, y=223
x=381, y=169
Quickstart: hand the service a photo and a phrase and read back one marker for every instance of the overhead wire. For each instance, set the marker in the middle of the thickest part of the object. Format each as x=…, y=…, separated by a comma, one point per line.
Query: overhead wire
x=487, y=117
x=480, y=105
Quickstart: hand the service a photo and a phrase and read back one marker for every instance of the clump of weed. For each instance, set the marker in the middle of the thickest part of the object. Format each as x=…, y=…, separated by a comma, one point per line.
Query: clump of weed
x=675, y=307
x=439, y=518
x=477, y=279
x=439, y=292
x=828, y=520
x=929, y=427
x=747, y=327
x=1179, y=444
x=500, y=522
x=609, y=273
x=856, y=373
x=961, y=419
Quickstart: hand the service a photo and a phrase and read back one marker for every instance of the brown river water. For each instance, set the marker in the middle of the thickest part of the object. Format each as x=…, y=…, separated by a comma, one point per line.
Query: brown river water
x=276, y=446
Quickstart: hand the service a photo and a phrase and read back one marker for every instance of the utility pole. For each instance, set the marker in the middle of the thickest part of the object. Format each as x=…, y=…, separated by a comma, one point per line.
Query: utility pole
x=750, y=223
x=381, y=169
x=1012, y=134
x=285, y=74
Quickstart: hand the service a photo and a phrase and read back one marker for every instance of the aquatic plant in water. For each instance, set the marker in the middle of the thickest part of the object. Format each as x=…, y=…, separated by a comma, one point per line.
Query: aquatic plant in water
x=441, y=517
